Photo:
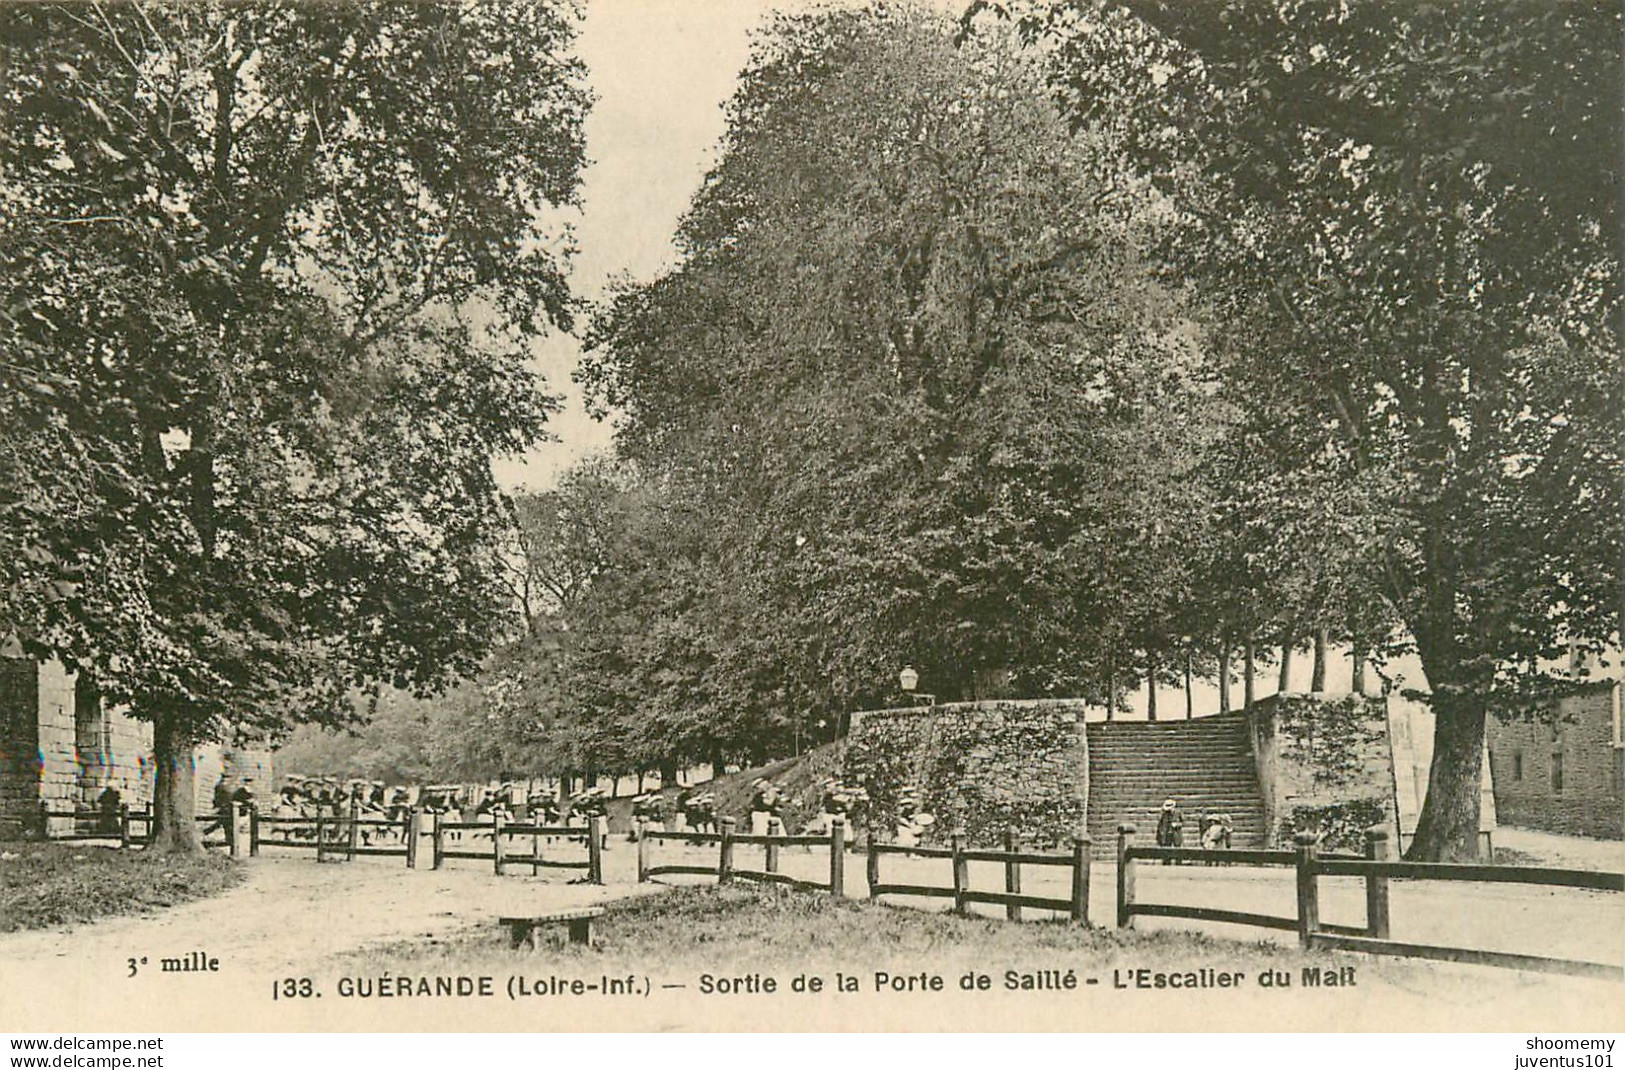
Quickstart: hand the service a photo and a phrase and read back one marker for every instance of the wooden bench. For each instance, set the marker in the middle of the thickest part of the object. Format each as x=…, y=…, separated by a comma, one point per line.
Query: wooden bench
x=523, y=927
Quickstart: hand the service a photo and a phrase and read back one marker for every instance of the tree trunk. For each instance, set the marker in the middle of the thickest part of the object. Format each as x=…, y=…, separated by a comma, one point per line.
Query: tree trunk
x=668, y=773
x=719, y=764
x=1111, y=692
x=1317, y=677
x=1447, y=829
x=1224, y=677
x=1249, y=672
x=174, y=799
x=1150, y=686
x=1190, y=695
x=1357, y=657
x=1285, y=678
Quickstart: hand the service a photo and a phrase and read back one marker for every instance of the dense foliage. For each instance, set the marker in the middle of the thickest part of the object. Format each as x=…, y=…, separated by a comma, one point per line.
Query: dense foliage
x=267, y=278
x=1100, y=338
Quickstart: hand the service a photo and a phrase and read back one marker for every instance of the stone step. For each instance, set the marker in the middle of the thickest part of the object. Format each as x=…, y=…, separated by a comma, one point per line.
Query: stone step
x=1149, y=782
x=1206, y=765
x=1218, y=752
x=1153, y=786
x=1235, y=807
x=1149, y=798
x=1173, y=769
x=1159, y=752
x=1240, y=813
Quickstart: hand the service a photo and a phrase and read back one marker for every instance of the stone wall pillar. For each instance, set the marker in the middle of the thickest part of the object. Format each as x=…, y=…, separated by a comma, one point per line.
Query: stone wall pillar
x=19, y=747
x=58, y=750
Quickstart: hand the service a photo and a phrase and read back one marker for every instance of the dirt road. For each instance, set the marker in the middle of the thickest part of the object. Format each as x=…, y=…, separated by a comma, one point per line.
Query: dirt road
x=292, y=917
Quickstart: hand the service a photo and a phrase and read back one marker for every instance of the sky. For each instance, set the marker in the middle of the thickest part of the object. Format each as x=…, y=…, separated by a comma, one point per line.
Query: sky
x=662, y=71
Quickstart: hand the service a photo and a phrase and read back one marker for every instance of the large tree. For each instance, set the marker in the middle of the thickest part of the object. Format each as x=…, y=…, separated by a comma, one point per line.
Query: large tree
x=1407, y=217
x=269, y=274
x=909, y=368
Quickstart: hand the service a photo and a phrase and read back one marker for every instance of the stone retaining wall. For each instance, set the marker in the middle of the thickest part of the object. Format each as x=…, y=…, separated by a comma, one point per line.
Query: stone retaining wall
x=1324, y=764
x=983, y=766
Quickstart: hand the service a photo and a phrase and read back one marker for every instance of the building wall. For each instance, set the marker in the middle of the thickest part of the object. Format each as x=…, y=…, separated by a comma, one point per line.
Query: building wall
x=1560, y=771
x=238, y=766
x=131, y=769
x=113, y=750
x=62, y=745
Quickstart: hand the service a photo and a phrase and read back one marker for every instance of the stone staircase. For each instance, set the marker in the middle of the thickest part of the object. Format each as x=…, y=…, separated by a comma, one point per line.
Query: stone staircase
x=1204, y=764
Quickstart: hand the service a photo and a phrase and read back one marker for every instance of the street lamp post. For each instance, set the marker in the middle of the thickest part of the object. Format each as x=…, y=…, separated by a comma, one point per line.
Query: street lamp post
x=908, y=680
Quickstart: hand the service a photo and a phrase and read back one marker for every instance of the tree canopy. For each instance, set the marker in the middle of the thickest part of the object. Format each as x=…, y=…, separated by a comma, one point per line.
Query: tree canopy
x=270, y=274
x=1106, y=334
x=1409, y=214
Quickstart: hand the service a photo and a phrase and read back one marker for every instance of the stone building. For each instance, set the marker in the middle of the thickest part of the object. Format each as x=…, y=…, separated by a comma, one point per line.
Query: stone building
x=62, y=745
x=1563, y=772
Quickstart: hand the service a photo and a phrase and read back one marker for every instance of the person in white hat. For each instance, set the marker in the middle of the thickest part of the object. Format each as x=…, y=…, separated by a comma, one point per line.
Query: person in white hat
x=1170, y=823
x=764, y=805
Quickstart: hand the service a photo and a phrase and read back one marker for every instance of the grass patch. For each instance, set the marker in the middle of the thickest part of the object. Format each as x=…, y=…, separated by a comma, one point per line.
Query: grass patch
x=743, y=932
x=1508, y=856
x=46, y=884
x=743, y=926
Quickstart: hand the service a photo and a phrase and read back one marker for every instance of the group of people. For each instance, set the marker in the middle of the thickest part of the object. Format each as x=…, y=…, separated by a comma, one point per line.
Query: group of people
x=1213, y=830
x=695, y=809
x=309, y=798
x=698, y=810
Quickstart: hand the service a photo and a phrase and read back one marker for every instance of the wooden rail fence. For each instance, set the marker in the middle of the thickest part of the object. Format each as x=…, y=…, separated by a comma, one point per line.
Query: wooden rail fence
x=92, y=823
x=1376, y=868
x=1076, y=907
x=339, y=837
x=592, y=836
x=97, y=824
x=726, y=840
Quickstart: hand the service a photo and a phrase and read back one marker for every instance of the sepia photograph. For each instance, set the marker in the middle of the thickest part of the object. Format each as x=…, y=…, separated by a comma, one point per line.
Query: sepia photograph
x=812, y=516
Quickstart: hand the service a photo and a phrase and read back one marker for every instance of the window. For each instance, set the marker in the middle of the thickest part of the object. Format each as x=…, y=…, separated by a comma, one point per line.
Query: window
x=1517, y=765
x=1557, y=770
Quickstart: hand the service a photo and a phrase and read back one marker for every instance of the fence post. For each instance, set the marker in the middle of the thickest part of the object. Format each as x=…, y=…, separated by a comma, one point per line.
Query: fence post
x=1081, y=861
x=124, y=824
x=643, y=851
x=321, y=837
x=775, y=827
x=355, y=831
x=414, y=828
x=961, y=869
x=234, y=842
x=1012, y=876
x=1376, y=886
x=535, y=847
x=837, y=857
x=439, y=854
x=1308, y=887
x=253, y=832
x=596, y=831
x=496, y=842
x=1125, y=877
x=725, y=851
x=872, y=868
